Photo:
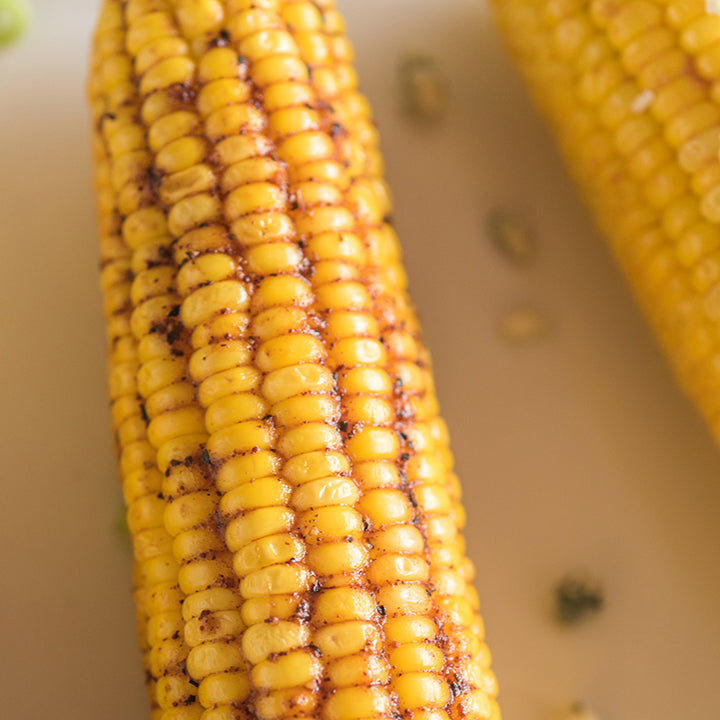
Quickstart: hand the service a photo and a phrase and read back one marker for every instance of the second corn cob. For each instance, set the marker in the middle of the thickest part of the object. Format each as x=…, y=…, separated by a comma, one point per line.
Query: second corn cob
x=296, y=522
x=632, y=90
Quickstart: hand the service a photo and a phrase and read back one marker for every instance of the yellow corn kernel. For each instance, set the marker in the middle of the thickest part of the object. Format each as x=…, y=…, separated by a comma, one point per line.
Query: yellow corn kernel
x=415, y=657
x=233, y=380
x=210, y=658
x=242, y=468
x=293, y=380
x=170, y=128
x=234, y=408
x=341, y=604
x=373, y=443
x=263, y=640
x=271, y=608
x=231, y=325
x=224, y=688
x=258, y=523
x=377, y=474
x=273, y=257
x=181, y=154
x=206, y=362
x=299, y=667
x=282, y=290
x=289, y=350
x=330, y=523
x=256, y=493
x=184, y=421
x=347, y=638
x=267, y=551
x=405, y=539
x=307, y=438
x=195, y=543
x=421, y=689
x=389, y=568
x=324, y=492
x=242, y=437
x=357, y=702
x=346, y=556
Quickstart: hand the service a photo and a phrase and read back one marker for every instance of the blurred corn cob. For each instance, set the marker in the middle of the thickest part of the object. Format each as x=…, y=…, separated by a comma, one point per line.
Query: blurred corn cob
x=632, y=90
x=296, y=522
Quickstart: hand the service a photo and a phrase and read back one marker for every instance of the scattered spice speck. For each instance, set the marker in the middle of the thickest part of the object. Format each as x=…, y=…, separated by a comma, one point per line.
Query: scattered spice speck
x=524, y=325
x=576, y=599
x=14, y=20
x=424, y=87
x=511, y=236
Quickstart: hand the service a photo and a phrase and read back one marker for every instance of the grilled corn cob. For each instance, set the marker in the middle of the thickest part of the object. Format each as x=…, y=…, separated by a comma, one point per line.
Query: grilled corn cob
x=295, y=518
x=632, y=90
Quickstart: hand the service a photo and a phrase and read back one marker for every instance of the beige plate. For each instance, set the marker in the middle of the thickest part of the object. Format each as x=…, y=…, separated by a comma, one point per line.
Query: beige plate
x=576, y=450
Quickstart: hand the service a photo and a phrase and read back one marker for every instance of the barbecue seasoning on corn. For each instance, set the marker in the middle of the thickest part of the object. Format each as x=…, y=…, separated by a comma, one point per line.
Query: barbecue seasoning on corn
x=295, y=518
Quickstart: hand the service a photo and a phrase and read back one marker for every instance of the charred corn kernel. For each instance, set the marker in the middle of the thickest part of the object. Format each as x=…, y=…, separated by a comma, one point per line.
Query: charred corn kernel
x=210, y=625
x=665, y=158
x=278, y=703
x=355, y=669
x=290, y=493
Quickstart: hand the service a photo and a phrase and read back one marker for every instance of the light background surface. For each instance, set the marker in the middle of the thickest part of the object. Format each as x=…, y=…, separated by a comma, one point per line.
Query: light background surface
x=576, y=452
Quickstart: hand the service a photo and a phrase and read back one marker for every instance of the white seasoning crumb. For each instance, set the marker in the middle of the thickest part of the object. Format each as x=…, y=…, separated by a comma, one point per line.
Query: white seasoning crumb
x=642, y=101
x=424, y=87
x=511, y=236
x=524, y=325
x=713, y=6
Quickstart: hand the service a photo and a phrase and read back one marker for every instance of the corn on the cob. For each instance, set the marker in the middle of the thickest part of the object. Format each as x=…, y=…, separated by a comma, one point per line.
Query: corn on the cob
x=632, y=90
x=295, y=517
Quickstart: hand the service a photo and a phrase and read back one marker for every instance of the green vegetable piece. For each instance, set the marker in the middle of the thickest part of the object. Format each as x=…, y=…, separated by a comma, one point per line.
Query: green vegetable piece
x=14, y=19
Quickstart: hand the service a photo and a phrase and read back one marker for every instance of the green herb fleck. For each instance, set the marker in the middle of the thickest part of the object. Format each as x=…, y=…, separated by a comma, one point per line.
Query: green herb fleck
x=577, y=599
x=121, y=525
